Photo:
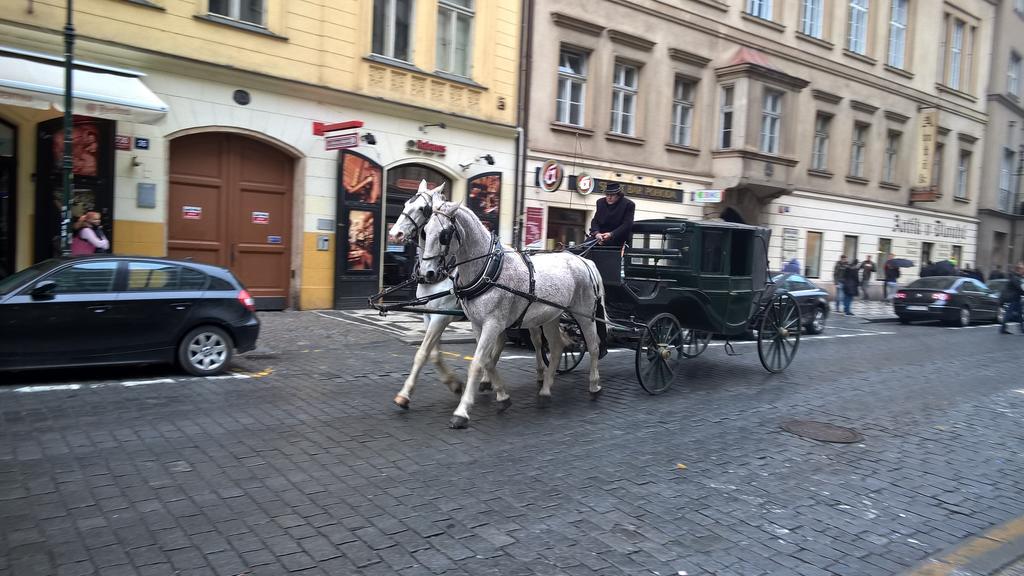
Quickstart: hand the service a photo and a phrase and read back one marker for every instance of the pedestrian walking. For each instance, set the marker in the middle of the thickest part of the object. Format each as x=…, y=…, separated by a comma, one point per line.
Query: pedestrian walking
x=997, y=274
x=892, y=276
x=792, y=267
x=867, y=268
x=1011, y=296
x=838, y=276
x=89, y=237
x=851, y=281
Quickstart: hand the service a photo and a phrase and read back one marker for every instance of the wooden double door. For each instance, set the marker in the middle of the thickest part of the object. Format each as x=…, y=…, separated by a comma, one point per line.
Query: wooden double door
x=230, y=204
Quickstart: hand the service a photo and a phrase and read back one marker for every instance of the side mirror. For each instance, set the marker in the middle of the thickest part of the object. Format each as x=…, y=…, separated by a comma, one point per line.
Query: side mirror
x=44, y=290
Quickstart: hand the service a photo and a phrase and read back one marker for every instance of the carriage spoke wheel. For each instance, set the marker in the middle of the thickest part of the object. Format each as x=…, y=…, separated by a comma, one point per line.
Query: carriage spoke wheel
x=695, y=342
x=573, y=352
x=659, y=353
x=779, y=336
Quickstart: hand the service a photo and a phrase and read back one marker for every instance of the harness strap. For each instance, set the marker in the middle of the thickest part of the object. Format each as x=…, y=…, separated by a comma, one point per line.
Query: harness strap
x=488, y=275
x=532, y=296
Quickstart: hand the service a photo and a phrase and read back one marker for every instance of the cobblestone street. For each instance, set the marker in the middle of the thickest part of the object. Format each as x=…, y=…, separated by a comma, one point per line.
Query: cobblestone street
x=299, y=464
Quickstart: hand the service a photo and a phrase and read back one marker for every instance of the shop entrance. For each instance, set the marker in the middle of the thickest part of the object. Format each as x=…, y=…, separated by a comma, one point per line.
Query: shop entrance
x=8, y=195
x=230, y=204
x=565, y=227
x=403, y=182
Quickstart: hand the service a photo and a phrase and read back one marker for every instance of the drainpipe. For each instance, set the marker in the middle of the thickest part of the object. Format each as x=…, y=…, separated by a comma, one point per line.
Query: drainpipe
x=67, y=165
x=522, y=119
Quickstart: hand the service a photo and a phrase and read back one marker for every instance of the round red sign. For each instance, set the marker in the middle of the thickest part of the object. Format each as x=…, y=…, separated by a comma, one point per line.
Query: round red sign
x=551, y=174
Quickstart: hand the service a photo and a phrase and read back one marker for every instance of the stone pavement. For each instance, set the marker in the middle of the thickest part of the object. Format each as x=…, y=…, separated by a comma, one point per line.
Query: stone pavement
x=872, y=310
x=304, y=467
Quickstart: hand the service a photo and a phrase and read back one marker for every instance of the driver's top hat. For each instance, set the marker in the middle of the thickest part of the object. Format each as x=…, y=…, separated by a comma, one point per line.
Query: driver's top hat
x=613, y=188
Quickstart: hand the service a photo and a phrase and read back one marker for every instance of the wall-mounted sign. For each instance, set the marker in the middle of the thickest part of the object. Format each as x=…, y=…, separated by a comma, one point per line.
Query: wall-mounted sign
x=141, y=143
x=551, y=174
x=122, y=142
x=632, y=190
x=706, y=196
x=192, y=212
x=936, y=228
x=273, y=239
x=341, y=141
x=585, y=183
x=534, y=227
x=924, y=189
x=261, y=217
x=425, y=147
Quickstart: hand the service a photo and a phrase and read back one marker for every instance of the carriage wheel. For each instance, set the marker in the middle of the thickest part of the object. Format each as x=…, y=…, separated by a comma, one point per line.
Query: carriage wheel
x=659, y=353
x=695, y=342
x=779, y=336
x=573, y=352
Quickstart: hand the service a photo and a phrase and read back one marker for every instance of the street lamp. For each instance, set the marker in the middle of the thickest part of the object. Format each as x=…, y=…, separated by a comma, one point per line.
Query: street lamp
x=67, y=165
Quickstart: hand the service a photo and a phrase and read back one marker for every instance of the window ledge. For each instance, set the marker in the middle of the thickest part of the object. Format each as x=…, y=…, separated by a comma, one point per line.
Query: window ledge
x=403, y=65
x=857, y=180
x=624, y=138
x=239, y=25
x=458, y=79
x=815, y=40
x=890, y=185
x=717, y=4
x=857, y=56
x=381, y=59
x=819, y=173
x=961, y=200
x=572, y=129
x=953, y=91
x=899, y=71
x=770, y=24
x=146, y=4
x=683, y=149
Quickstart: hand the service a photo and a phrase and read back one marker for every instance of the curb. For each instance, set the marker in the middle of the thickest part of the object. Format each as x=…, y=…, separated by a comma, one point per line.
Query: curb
x=981, y=555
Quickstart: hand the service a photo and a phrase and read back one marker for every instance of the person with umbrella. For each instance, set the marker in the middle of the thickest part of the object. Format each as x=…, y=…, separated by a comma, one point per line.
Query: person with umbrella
x=892, y=273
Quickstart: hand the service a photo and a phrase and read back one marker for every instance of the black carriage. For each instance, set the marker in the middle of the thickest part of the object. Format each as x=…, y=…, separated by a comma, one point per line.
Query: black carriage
x=676, y=284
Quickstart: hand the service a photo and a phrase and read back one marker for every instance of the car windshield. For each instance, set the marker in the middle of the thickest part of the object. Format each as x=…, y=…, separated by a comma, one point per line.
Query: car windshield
x=933, y=283
x=18, y=279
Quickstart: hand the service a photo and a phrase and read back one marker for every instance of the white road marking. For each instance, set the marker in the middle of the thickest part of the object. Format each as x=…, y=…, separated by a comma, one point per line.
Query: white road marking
x=975, y=327
x=126, y=383
x=363, y=324
x=141, y=382
x=51, y=388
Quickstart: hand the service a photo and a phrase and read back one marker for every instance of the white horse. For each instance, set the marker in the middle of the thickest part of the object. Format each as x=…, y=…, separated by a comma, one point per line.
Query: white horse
x=454, y=240
x=407, y=228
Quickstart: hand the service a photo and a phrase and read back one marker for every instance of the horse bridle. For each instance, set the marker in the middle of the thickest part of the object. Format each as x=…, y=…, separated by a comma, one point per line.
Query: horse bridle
x=427, y=209
x=444, y=238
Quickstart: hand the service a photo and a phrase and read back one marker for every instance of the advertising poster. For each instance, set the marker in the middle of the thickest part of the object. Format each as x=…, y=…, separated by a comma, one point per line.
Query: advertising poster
x=85, y=146
x=534, y=227
x=484, y=198
x=360, y=240
x=360, y=179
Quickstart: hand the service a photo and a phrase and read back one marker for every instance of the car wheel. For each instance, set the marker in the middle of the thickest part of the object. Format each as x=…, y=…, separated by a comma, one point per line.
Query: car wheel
x=965, y=317
x=1000, y=315
x=205, y=351
x=817, y=323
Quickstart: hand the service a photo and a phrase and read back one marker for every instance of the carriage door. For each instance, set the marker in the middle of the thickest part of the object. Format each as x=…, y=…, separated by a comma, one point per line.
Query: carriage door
x=742, y=259
x=230, y=205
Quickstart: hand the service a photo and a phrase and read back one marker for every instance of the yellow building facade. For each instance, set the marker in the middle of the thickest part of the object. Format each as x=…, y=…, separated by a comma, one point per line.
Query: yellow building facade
x=198, y=131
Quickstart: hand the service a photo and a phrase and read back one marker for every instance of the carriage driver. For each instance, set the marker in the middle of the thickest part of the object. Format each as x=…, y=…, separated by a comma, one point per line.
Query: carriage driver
x=613, y=221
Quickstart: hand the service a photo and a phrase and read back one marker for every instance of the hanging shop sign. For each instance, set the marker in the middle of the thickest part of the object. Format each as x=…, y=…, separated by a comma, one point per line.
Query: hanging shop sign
x=550, y=177
x=341, y=141
x=706, y=196
x=925, y=189
x=632, y=190
x=585, y=183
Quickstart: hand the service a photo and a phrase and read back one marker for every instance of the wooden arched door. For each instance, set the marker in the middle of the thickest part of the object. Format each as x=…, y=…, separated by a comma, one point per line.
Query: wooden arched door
x=230, y=204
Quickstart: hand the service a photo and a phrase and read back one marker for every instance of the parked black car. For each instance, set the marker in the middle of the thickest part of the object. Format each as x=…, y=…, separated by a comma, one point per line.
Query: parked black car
x=813, y=301
x=124, y=310
x=954, y=300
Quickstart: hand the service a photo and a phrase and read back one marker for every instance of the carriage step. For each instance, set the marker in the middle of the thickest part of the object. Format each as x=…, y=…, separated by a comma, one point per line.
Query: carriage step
x=730, y=350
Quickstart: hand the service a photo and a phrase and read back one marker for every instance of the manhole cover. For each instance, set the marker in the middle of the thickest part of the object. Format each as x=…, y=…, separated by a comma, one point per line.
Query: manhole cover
x=822, y=431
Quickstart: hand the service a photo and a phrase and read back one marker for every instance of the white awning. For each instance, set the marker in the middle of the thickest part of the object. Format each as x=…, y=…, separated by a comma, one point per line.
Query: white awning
x=35, y=82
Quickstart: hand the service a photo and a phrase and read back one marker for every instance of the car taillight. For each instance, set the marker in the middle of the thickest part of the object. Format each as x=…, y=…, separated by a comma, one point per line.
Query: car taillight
x=940, y=296
x=901, y=294
x=247, y=301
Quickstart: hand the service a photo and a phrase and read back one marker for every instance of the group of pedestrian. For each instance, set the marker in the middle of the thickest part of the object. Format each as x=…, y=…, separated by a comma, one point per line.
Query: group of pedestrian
x=851, y=278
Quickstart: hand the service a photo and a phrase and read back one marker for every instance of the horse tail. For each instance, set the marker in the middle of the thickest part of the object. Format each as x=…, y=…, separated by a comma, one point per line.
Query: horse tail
x=600, y=314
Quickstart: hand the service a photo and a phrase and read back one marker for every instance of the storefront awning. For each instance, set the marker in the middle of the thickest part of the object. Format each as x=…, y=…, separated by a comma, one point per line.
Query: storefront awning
x=37, y=81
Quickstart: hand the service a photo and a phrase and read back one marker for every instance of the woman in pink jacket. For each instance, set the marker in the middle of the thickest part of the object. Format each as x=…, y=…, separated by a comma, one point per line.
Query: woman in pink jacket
x=89, y=236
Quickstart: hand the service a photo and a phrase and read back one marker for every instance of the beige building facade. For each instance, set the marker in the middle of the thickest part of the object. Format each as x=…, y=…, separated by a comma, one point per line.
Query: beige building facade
x=849, y=127
x=1001, y=206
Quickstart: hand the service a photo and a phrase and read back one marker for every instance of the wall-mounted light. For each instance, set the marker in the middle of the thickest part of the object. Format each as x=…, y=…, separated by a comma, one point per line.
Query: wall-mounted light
x=423, y=127
x=485, y=157
x=369, y=138
x=618, y=174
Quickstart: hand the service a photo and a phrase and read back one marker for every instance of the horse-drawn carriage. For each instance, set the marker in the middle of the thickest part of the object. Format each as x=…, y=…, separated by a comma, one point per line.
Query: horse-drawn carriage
x=679, y=282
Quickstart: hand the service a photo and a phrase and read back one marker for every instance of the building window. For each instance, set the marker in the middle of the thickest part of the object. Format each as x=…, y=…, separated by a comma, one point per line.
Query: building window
x=811, y=18
x=892, y=151
x=812, y=257
x=771, y=121
x=898, y=34
x=860, y=137
x=760, y=8
x=926, y=253
x=1018, y=5
x=850, y=246
x=454, y=32
x=819, y=153
x=682, y=111
x=1006, y=181
x=1013, y=75
x=957, y=252
x=572, y=84
x=940, y=150
x=858, y=38
x=956, y=51
x=250, y=11
x=725, y=119
x=963, y=174
x=392, y=22
x=624, y=89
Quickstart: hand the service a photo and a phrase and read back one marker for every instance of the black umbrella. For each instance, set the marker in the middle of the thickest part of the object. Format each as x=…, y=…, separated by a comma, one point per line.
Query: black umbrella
x=901, y=263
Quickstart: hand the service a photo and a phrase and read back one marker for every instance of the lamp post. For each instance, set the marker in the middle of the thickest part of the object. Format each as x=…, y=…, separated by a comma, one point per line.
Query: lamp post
x=67, y=165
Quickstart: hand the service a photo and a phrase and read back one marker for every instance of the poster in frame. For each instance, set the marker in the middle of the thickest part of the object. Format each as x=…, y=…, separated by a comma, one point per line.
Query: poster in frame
x=361, y=179
x=361, y=243
x=483, y=197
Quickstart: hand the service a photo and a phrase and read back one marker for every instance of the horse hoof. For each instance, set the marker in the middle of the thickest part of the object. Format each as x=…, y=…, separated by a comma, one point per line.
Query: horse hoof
x=458, y=423
x=402, y=402
x=486, y=387
x=543, y=401
x=540, y=384
x=596, y=395
x=504, y=404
